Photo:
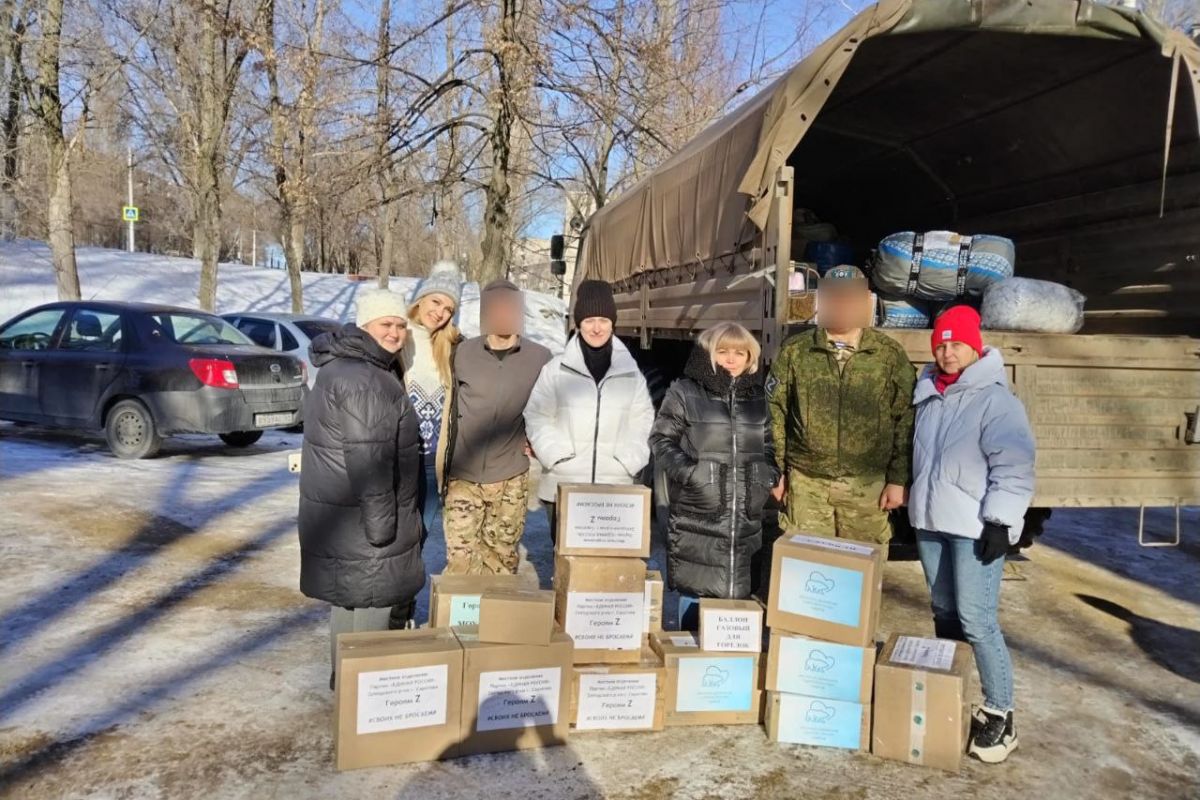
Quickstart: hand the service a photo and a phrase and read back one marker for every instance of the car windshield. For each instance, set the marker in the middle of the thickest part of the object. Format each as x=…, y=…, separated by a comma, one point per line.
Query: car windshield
x=314, y=328
x=195, y=329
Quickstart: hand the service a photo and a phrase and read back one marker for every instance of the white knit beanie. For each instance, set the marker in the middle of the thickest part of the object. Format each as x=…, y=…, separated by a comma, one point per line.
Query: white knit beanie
x=444, y=278
x=372, y=304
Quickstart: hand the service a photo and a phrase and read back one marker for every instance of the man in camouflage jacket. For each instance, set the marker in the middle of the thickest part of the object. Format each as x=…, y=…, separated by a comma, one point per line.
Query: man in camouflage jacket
x=842, y=417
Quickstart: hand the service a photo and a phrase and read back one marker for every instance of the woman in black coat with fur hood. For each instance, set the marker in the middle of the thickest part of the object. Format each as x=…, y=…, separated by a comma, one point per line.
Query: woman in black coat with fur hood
x=712, y=437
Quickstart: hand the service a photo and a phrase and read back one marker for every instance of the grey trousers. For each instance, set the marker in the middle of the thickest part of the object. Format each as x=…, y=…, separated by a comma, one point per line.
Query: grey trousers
x=353, y=620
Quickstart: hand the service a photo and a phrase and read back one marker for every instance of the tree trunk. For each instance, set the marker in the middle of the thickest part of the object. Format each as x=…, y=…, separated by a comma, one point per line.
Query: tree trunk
x=59, y=211
x=61, y=219
x=497, y=215
x=295, y=261
x=206, y=234
x=14, y=37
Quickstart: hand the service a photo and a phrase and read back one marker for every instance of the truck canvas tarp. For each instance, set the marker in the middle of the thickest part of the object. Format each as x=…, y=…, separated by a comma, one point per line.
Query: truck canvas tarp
x=1069, y=127
x=1012, y=117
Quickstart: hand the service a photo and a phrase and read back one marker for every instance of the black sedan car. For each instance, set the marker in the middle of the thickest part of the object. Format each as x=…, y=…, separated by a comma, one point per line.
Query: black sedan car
x=141, y=372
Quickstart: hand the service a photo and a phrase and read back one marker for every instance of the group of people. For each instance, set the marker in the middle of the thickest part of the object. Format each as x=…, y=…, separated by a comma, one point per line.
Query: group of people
x=407, y=421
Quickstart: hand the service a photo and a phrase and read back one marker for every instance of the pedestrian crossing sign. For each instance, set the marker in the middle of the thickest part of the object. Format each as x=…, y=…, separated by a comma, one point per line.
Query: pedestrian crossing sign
x=129, y=213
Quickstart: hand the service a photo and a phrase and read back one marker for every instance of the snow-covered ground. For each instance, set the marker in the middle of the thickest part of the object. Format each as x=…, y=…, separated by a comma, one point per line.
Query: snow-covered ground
x=27, y=280
x=154, y=644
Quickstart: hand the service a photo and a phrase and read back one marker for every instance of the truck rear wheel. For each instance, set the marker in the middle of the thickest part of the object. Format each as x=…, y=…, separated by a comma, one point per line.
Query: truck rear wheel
x=130, y=432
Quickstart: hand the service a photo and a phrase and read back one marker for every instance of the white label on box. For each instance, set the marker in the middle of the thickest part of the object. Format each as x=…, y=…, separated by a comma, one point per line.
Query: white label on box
x=833, y=544
x=685, y=641
x=725, y=630
x=394, y=699
x=518, y=698
x=616, y=702
x=605, y=620
x=605, y=521
x=927, y=653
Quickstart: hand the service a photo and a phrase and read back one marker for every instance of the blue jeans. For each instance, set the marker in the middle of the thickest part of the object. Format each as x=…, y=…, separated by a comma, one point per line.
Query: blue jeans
x=965, y=595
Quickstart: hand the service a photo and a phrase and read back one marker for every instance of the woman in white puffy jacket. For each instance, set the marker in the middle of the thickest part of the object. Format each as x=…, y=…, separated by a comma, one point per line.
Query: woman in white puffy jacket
x=589, y=416
x=973, y=478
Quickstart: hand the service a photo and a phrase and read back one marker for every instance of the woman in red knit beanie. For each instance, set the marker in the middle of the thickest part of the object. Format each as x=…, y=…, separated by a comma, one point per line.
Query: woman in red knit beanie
x=973, y=456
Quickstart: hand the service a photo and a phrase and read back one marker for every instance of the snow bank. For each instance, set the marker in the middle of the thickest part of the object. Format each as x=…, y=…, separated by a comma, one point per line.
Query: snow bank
x=27, y=280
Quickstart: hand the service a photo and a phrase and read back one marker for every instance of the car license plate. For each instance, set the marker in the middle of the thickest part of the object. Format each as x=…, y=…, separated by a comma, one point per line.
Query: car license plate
x=268, y=420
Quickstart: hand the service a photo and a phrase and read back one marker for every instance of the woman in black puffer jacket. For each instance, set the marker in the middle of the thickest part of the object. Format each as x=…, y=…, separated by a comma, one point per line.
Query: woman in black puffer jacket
x=712, y=437
x=360, y=531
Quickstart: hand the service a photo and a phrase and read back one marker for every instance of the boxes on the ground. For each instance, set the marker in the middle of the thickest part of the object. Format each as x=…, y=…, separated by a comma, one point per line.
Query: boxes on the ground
x=825, y=588
x=454, y=599
x=922, y=690
x=514, y=696
x=601, y=604
x=731, y=625
x=653, y=601
x=799, y=665
x=821, y=722
x=603, y=520
x=706, y=688
x=398, y=697
x=620, y=697
x=516, y=616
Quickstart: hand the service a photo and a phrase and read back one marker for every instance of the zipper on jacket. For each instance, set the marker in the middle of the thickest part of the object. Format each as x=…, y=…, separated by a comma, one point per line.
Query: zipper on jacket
x=733, y=485
x=596, y=432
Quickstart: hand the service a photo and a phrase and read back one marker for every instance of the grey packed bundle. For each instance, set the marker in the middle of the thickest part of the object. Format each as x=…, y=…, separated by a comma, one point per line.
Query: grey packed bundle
x=904, y=312
x=1026, y=304
x=940, y=265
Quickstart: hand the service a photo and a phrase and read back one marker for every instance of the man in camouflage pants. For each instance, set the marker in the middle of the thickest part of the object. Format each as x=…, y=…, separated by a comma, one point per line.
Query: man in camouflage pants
x=842, y=418
x=487, y=455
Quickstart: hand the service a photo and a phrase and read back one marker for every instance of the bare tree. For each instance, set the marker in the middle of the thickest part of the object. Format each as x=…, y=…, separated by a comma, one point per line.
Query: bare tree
x=12, y=41
x=47, y=105
x=186, y=73
x=293, y=132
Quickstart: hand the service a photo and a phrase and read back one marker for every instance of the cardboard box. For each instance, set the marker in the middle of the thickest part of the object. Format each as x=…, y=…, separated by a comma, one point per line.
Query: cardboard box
x=820, y=722
x=706, y=688
x=826, y=588
x=516, y=616
x=922, y=691
x=454, y=599
x=620, y=697
x=514, y=696
x=603, y=520
x=799, y=665
x=653, y=601
x=398, y=697
x=601, y=604
x=731, y=625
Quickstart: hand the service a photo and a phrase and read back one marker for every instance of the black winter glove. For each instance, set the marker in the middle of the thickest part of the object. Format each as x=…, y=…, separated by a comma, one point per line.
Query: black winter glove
x=994, y=541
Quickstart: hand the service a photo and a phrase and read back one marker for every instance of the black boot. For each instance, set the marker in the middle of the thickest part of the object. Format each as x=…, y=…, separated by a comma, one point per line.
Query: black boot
x=995, y=736
x=332, y=677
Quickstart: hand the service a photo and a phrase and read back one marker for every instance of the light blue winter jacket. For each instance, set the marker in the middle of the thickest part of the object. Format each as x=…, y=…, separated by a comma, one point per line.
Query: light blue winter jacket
x=973, y=453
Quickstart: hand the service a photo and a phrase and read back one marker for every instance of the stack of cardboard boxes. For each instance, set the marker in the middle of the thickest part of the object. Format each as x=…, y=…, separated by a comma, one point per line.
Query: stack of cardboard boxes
x=440, y=692
x=823, y=612
x=608, y=603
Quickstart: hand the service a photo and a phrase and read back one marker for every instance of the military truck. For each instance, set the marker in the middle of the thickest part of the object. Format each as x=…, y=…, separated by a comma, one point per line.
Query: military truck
x=1069, y=127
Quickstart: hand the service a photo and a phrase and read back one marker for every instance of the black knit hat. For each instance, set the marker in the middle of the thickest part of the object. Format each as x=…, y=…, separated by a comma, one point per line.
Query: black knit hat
x=594, y=299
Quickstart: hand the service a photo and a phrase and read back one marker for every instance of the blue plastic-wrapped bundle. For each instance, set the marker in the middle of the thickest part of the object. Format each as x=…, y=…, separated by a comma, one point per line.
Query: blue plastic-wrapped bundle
x=904, y=312
x=940, y=265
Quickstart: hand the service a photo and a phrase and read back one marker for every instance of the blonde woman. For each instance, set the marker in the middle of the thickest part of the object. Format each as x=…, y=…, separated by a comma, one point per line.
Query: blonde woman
x=713, y=440
x=428, y=359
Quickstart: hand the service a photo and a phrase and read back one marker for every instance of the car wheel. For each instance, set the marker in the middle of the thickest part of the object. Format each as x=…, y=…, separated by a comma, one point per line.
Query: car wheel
x=130, y=431
x=241, y=438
